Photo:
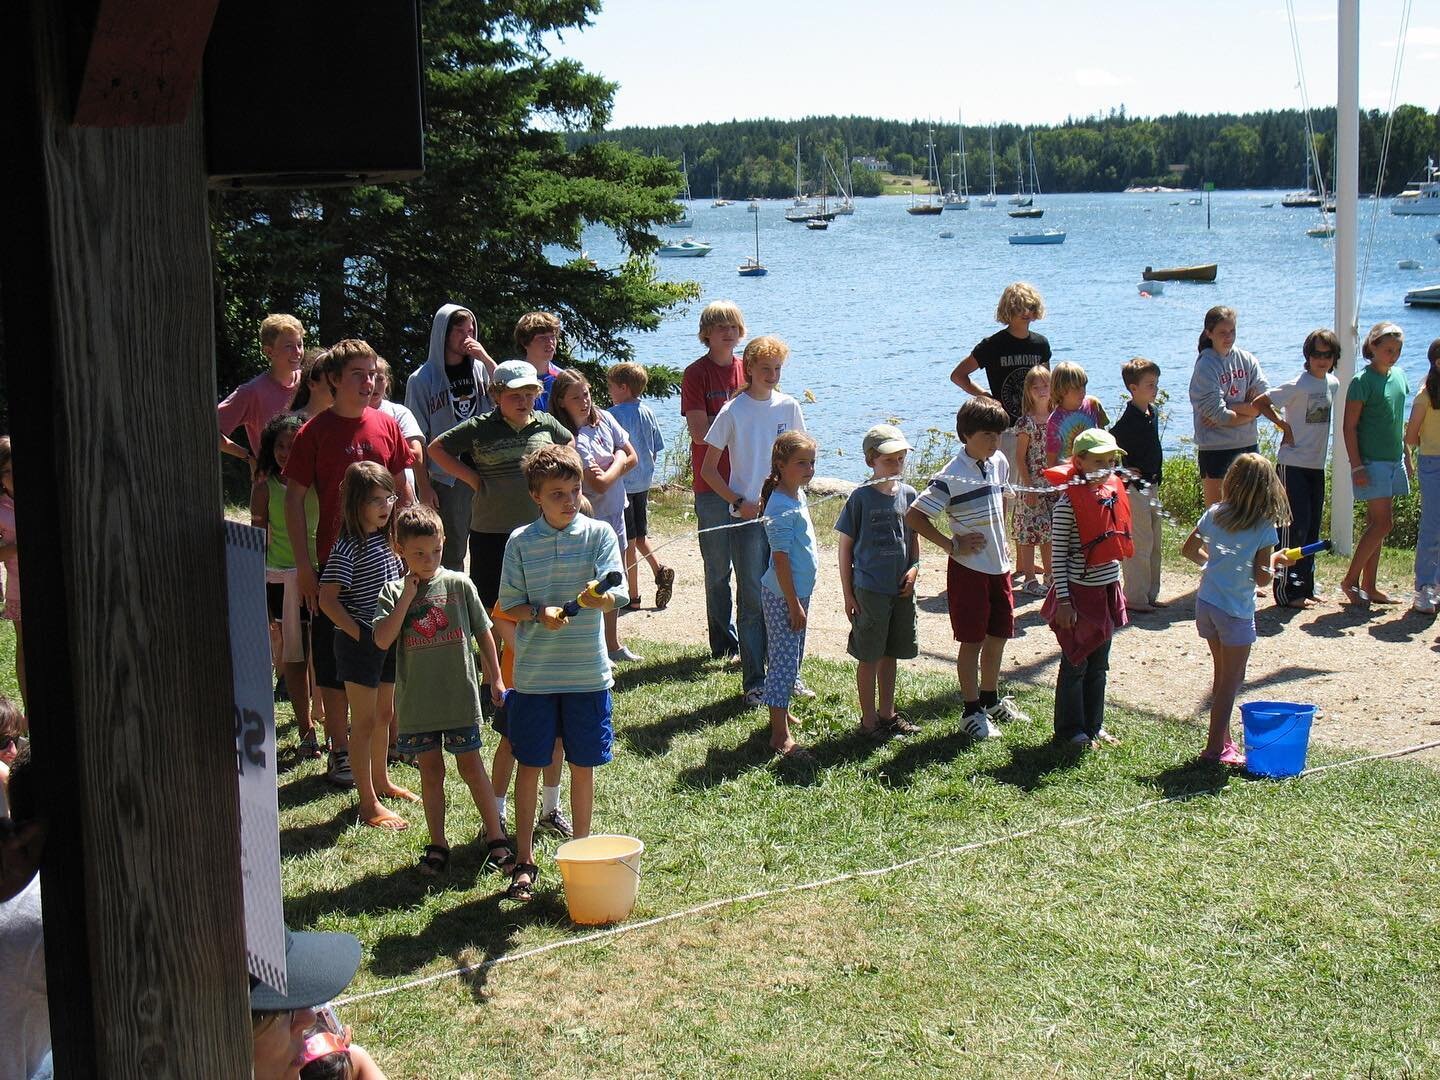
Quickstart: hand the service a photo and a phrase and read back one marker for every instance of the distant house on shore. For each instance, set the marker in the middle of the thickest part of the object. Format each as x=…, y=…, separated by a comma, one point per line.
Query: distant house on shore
x=866, y=161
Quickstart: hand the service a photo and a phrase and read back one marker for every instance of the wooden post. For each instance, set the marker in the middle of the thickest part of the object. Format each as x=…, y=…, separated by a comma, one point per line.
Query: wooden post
x=104, y=264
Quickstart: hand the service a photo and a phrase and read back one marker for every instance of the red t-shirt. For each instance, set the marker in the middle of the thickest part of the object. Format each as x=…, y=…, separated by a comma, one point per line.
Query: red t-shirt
x=709, y=386
x=328, y=445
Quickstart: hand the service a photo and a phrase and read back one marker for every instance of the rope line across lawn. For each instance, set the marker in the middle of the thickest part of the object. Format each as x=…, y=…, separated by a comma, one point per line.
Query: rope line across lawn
x=854, y=875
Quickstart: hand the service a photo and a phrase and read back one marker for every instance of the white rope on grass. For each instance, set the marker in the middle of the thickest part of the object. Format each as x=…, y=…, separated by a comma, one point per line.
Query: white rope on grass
x=837, y=879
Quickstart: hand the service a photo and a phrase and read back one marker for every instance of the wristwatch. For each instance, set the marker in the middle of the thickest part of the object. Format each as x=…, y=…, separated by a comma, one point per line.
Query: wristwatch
x=739, y=502
x=535, y=610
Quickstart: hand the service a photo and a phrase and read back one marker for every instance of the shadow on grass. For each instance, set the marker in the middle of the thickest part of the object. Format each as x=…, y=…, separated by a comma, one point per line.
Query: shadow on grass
x=304, y=839
x=691, y=666
x=1031, y=766
x=724, y=763
x=303, y=790
x=1193, y=777
x=654, y=739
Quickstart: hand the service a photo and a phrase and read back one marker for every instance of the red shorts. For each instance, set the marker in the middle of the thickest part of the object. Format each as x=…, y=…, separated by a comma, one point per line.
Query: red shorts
x=981, y=605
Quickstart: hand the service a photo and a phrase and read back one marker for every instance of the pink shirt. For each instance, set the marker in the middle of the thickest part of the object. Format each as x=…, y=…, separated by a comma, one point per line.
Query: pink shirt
x=253, y=405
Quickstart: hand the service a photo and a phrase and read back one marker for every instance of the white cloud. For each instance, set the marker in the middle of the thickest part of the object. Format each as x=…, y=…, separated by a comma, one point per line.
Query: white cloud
x=1097, y=77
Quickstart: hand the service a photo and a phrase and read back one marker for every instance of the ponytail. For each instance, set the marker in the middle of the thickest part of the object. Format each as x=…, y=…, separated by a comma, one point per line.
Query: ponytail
x=1217, y=314
x=787, y=444
x=768, y=488
x=1203, y=344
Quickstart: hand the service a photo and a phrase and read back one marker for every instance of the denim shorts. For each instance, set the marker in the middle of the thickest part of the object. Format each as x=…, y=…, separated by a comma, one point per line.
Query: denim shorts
x=1214, y=463
x=1384, y=480
x=581, y=720
x=458, y=740
x=1212, y=622
x=363, y=662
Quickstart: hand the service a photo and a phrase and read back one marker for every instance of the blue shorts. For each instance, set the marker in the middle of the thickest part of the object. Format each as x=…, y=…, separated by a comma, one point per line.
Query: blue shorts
x=1214, y=463
x=1212, y=622
x=362, y=662
x=458, y=740
x=581, y=720
x=1384, y=480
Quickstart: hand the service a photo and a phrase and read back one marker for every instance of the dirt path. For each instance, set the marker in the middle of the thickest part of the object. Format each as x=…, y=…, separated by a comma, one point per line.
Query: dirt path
x=1375, y=676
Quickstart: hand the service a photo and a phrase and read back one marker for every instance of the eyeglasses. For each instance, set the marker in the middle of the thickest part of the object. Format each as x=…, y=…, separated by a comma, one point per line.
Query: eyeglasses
x=1323, y=354
x=382, y=500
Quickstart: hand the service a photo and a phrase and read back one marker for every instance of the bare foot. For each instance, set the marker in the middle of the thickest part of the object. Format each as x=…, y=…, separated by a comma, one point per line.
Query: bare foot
x=1353, y=595
x=395, y=791
x=384, y=819
x=1378, y=597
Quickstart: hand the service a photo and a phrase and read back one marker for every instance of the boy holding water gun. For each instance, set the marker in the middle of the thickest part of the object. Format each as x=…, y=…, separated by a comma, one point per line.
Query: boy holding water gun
x=553, y=584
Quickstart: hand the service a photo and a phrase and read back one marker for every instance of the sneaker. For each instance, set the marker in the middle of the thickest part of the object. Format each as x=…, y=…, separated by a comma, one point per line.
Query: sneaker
x=1232, y=755
x=556, y=823
x=800, y=690
x=1079, y=739
x=664, y=587
x=622, y=655
x=309, y=747
x=1006, y=711
x=754, y=698
x=901, y=725
x=1424, y=602
x=978, y=725
x=1033, y=587
x=337, y=770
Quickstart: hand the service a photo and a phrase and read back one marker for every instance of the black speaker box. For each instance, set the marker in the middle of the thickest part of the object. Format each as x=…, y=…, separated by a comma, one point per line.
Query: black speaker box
x=309, y=93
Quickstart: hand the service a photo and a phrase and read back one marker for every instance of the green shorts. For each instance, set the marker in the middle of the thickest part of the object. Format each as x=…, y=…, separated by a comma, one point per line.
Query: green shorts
x=884, y=626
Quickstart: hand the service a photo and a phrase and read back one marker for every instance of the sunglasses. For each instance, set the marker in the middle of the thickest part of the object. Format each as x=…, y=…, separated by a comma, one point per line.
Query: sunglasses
x=1324, y=354
x=19, y=742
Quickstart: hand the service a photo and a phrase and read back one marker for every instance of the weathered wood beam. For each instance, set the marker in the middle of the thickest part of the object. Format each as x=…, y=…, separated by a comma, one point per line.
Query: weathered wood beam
x=143, y=62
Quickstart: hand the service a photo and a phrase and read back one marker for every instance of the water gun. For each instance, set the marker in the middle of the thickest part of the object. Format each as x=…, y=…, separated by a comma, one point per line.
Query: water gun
x=593, y=591
x=1295, y=554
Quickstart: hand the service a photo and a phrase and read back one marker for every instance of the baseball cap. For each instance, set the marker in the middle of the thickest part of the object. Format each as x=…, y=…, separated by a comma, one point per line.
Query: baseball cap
x=1095, y=441
x=513, y=374
x=885, y=439
x=318, y=965
x=1378, y=331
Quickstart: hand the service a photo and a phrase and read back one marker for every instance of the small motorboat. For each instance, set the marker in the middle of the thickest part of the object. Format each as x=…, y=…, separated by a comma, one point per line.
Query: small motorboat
x=689, y=248
x=1196, y=202
x=1202, y=272
x=1266, y=205
x=817, y=224
x=1408, y=264
x=1321, y=232
x=1047, y=236
x=1027, y=212
x=1151, y=288
x=947, y=234
x=1428, y=296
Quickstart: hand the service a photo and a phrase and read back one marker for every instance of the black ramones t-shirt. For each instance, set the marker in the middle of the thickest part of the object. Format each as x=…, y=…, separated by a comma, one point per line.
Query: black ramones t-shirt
x=462, y=389
x=1006, y=359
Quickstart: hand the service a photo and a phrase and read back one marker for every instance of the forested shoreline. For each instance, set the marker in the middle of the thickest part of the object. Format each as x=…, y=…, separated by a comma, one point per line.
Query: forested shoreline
x=1096, y=153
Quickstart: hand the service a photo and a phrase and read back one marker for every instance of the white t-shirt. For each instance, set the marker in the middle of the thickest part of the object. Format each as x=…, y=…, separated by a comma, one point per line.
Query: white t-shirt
x=748, y=429
x=24, y=1010
x=1308, y=403
x=409, y=429
x=972, y=495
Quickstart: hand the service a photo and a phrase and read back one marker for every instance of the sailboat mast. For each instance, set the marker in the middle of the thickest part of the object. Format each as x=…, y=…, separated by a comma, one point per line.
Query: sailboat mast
x=1347, y=198
x=960, y=135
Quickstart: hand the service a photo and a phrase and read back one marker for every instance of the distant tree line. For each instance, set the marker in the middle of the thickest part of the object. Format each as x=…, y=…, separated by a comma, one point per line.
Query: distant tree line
x=1097, y=153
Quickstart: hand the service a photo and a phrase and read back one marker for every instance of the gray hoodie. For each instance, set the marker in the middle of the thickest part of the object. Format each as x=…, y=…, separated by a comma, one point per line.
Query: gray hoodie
x=1219, y=382
x=427, y=394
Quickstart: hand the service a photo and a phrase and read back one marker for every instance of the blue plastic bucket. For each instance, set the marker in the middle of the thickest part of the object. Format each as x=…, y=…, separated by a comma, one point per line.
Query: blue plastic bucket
x=1277, y=736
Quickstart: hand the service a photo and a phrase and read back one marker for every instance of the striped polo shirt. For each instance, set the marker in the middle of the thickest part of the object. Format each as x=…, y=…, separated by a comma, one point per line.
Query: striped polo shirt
x=972, y=495
x=361, y=565
x=548, y=566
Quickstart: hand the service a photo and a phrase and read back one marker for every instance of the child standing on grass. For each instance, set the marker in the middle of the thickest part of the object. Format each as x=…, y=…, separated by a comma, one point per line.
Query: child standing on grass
x=1091, y=535
x=1137, y=433
x=434, y=614
x=282, y=587
x=605, y=449
x=1032, y=514
x=1234, y=545
x=10, y=556
x=1072, y=412
x=1423, y=434
x=879, y=558
x=360, y=564
x=970, y=491
x=626, y=382
x=788, y=581
x=1308, y=401
x=562, y=675
x=1379, y=466
x=746, y=429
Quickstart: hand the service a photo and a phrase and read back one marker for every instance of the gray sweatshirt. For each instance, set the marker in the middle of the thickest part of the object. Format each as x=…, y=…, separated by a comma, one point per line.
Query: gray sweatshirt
x=1217, y=383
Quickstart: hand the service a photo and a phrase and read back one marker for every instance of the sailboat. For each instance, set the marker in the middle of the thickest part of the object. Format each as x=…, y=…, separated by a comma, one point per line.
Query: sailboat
x=1307, y=199
x=753, y=267
x=932, y=170
x=847, y=202
x=803, y=210
x=684, y=221
x=1020, y=198
x=718, y=200
x=958, y=200
x=989, y=199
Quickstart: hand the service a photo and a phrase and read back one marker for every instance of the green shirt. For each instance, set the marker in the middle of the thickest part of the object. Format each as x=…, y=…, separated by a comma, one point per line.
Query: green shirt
x=1381, y=430
x=437, y=677
x=279, y=552
x=503, y=503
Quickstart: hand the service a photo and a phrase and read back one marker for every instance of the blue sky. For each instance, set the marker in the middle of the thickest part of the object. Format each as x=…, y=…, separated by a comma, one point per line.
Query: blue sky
x=1036, y=62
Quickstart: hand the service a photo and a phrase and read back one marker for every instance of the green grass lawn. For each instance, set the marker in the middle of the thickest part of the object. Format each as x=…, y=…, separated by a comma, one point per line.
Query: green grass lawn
x=1267, y=929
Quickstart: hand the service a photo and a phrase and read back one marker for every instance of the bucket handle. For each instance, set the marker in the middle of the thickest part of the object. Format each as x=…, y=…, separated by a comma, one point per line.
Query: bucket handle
x=627, y=866
x=1294, y=720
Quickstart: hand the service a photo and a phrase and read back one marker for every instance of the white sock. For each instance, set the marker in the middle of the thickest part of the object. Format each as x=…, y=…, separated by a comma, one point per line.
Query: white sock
x=552, y=800
x=500, y=805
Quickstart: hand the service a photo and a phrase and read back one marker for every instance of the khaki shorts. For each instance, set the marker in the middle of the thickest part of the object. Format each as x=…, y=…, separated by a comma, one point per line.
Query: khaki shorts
x=884, y=627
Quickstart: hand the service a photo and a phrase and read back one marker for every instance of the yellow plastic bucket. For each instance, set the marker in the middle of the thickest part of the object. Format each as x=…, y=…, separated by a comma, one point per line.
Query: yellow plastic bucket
x=601, y=875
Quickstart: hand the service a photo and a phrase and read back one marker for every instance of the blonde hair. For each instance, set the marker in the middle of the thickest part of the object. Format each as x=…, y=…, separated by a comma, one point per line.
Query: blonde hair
x=360, y=479
x=560, y=389
x=550, y=462
x=275, y=325
x=631, y=376
x=1016, y=300
x=720, y=313
x=533, y=323
x=787, y=444
x=334, y=360
x=1251, y=493
x=1033, y=376
x=1065, y=377
x=764, y=347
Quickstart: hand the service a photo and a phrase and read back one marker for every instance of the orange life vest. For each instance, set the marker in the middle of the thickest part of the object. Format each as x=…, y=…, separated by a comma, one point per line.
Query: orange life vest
x=1102, y=514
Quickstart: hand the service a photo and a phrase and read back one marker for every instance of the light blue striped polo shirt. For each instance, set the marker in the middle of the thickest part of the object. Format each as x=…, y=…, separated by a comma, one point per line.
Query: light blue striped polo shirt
x=549, y=566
